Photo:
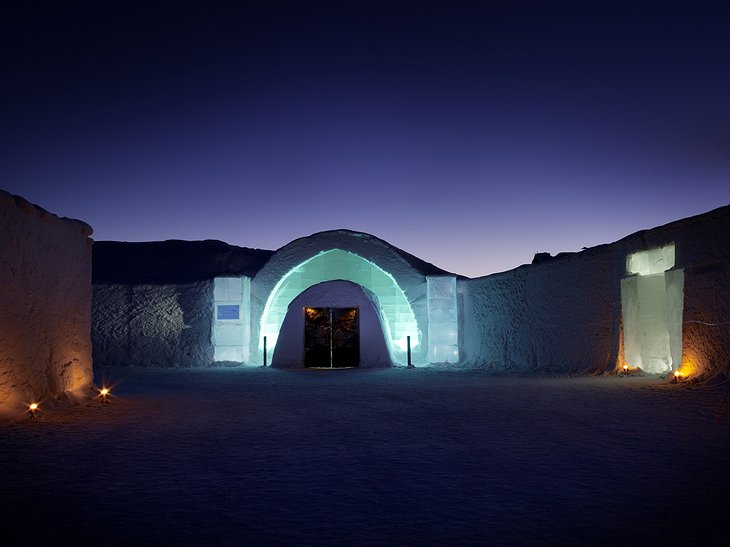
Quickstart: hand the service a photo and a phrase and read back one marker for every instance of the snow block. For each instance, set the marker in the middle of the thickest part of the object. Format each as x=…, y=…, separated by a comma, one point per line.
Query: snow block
x=45, y=304
x=559, y=316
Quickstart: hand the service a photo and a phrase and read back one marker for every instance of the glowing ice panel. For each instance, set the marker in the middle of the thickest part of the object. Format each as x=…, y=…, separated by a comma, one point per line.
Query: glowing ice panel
x=652, y=324
x=630, y=320
x=443, y=319
x=675, y=312
x=231, y=329
x=653, y=261
x=652, y=307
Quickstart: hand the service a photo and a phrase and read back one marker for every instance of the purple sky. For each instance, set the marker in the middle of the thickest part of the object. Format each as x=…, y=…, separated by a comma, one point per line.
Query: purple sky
x=471, y=134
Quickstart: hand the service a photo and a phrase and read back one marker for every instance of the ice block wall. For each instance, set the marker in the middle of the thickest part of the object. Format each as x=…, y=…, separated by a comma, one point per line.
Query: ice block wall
x=443, y=319
x=45, y=304
x=652, y=300
x=232, y=319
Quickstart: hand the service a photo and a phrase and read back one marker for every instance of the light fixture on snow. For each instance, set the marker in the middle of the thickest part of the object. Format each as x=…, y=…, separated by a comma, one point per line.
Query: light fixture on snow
x=104, y=394
x=677, y=375
x=33, y=410
x=626, y=369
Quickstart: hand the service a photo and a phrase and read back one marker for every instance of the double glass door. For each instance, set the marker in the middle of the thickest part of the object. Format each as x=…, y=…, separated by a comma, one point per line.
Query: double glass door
x=331, y=337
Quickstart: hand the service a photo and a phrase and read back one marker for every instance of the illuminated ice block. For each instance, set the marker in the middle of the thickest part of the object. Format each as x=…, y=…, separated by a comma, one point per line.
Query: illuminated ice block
x=231, y=329
x=652, y=304
x=653, y=261
x=674, y=281
x=443, y=319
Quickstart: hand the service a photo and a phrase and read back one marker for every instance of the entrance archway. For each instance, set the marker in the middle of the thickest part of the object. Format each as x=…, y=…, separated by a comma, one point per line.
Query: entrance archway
x=373, y=349
x=335, y=264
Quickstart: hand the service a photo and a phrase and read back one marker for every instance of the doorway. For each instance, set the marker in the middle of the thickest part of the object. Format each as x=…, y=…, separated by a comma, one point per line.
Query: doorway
x=331, y=337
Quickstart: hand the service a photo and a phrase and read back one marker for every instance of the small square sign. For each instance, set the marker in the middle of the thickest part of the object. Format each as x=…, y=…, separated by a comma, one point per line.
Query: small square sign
x=228, y=311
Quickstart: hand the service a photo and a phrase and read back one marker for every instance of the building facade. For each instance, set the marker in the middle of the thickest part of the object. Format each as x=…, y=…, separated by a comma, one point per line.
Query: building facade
x=655, y=300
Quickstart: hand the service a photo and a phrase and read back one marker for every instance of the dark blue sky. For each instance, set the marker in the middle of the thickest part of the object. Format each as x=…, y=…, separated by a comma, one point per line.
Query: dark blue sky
x=472, y=134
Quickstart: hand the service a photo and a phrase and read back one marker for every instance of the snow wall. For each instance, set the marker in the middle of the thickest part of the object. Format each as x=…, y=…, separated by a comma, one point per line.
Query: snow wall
x=557, y=316
x=564, y=314
x=153, y=325
x=45, y=304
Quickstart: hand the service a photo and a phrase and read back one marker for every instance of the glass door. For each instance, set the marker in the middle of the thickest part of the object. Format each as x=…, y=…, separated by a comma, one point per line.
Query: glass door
x=331, y=337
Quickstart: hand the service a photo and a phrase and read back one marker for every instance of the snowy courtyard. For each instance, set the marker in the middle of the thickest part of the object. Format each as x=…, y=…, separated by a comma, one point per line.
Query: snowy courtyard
x=251, y=456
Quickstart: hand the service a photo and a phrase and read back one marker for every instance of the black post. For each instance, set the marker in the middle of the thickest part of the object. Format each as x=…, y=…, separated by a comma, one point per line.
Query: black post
x=264, y=350
x=408, y=339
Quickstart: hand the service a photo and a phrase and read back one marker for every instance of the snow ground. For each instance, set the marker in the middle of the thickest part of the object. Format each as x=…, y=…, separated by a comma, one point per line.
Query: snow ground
x=370, y=457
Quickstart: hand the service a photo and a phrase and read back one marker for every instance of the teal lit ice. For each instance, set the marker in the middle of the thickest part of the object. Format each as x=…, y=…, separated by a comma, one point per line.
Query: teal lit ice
x=336, y=264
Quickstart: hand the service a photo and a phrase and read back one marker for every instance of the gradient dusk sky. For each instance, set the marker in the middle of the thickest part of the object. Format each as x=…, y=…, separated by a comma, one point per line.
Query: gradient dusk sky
x=471, y=134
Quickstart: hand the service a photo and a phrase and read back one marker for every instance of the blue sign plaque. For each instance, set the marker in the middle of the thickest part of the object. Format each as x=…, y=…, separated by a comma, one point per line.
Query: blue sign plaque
x=228, y=311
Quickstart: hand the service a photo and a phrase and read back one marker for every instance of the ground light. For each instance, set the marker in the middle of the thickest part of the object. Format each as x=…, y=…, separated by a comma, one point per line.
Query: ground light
x=33, y=409
x=104, y=393
x=677, y=376
x=626, y=369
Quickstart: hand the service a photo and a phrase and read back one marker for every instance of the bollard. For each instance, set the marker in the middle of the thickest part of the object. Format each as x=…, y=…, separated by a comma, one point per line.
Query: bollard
x=264, y=350
x=408, y=340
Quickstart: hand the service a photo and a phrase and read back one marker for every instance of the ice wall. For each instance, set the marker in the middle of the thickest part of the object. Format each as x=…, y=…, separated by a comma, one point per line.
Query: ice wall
x=232, y=319
x=153, y=325
x=646, y=315
x=45, y=304
x=443, y=319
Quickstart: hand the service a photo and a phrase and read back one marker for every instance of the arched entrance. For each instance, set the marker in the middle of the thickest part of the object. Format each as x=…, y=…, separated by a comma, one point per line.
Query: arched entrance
x=393, y=308
x=372, y=350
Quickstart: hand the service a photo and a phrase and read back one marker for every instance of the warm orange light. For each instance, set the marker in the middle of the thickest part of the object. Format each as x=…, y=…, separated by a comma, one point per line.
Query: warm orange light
x=32, y=410
x=104, y=394
x=677, y=374
x=626, y=368
x=691, y=365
